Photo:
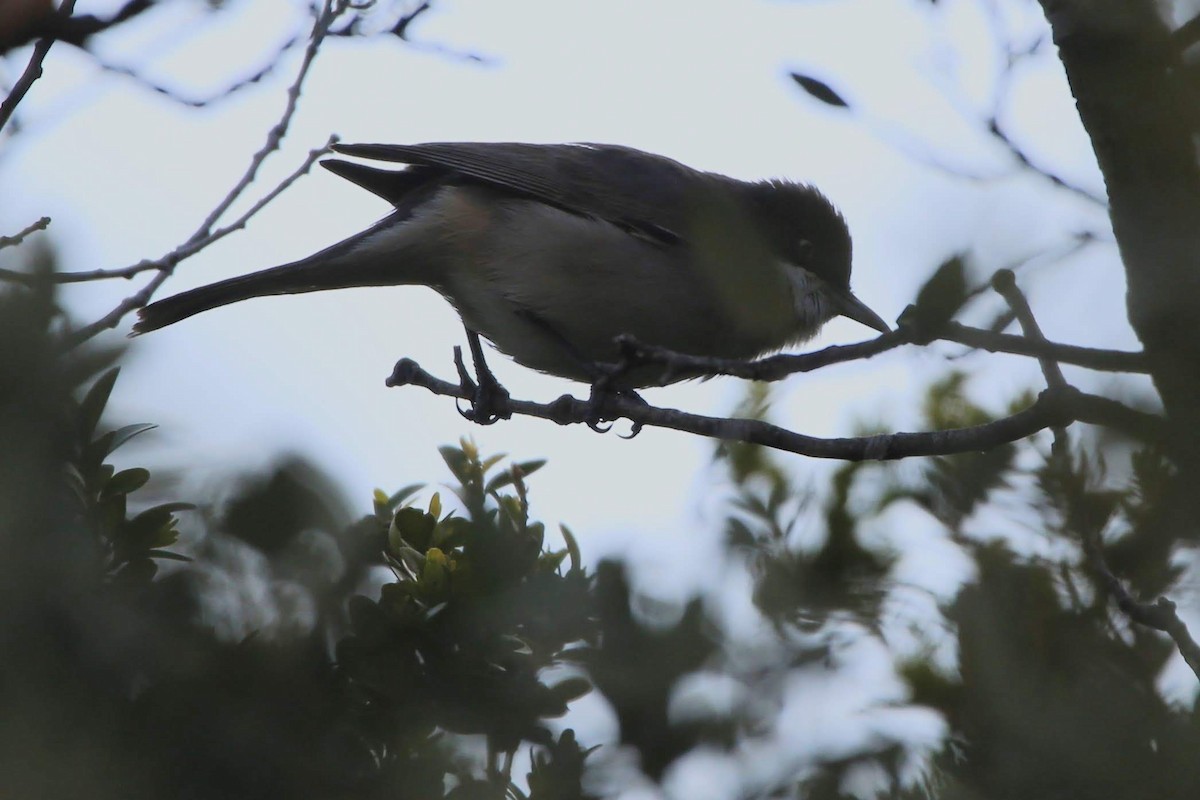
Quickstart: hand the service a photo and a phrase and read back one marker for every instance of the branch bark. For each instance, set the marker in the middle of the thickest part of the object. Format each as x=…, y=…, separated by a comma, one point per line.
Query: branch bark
x=1123, y=66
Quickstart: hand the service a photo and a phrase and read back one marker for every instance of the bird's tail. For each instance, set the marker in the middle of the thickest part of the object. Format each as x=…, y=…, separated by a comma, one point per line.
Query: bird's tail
x=366, y=259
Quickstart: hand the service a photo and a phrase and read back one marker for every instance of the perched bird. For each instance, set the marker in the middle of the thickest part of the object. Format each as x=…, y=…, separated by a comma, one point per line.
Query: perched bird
x=552, y=251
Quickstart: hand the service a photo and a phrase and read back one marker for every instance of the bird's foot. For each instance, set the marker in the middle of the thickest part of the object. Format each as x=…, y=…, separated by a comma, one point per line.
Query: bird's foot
x=489, y=400
x=603, y=391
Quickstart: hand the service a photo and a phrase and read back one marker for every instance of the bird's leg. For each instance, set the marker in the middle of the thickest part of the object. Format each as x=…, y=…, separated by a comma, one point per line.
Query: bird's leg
x=601, y=377
x=489, y=401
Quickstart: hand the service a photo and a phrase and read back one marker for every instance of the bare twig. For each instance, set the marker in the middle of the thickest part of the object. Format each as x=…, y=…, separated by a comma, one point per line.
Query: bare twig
x=1160, y=615
x=33, y=70
x=1090, y=357
x=205, y=235
x=678, y=366
x=1005, y=282
x=201, y=102
x=773, y=368
x=33, y=227
x=166, y=264
x=275, y=136
x=1024, y=160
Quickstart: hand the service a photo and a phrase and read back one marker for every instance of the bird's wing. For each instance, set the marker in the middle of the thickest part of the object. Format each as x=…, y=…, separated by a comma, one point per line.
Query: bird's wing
x=644, y=193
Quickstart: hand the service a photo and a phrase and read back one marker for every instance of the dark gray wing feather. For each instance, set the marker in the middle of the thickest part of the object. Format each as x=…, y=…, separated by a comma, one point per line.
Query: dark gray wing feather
x=649, y=194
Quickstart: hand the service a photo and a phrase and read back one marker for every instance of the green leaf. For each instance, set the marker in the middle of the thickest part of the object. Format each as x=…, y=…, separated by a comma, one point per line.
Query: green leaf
x=450, y=533
x=92, y=407
x=125, y=482
x=457, y=461
x=124, y=434
x=412, y=527
x=399, y=497
x=93, y=457
x=145, y=529
x=524, y=469
x=164, y=511
x=168, y=555
x=572, y=548
x=492, y=461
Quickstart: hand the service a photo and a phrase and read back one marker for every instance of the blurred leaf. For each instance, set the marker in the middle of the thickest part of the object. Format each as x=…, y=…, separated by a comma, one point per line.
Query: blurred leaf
x=412, y=527
x=124, y=434
x=523, y=469
x=819, y=90
x=94, y=402
x=125, y=482
x=399, y=497
x=572, y=547
x=939, y=299
x=168, y=555
x=571, y=689
x=457, y=461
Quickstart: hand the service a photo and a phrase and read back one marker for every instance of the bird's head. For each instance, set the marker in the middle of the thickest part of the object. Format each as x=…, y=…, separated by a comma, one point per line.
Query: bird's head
x=811, y=238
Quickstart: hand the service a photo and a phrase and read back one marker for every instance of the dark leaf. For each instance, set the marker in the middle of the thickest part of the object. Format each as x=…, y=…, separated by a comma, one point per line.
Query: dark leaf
x=820, y=90
x=125, y=482
x=94, y=402
x=123, y=435
x=938, y=301
x=399, y=497
x=168, y=555
x=505, y=478
x=456, y=460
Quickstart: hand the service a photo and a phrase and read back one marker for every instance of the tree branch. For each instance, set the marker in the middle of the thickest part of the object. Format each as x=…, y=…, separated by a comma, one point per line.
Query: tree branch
x=1160, y=615
x=1092, y=358
x=205, y=235
x=677, y=366
x=1052, y=408
x=33, y=70
x=33, y=227
x=201, y=102
x=165, y=264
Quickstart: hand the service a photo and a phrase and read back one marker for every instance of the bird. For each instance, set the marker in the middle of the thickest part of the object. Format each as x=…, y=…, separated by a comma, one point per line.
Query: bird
x=553, y=251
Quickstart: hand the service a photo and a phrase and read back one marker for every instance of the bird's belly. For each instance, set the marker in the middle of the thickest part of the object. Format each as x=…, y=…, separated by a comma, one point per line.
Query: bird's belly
x=556, y=289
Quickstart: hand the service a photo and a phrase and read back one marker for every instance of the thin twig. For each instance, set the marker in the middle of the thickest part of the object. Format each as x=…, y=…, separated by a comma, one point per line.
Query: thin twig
x=1023, y=158
x=33, y=70
x=275, y=136
x=677, y=366
x=200, y=102
x=1090, y=357
x=205, y=235
x=1005, y=282
x=33, y=227
x=167, y=263
x=1160, y=615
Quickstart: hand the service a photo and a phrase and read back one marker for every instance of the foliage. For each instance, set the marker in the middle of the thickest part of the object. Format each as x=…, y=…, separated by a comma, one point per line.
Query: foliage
x=125, y=677
x=444, y=639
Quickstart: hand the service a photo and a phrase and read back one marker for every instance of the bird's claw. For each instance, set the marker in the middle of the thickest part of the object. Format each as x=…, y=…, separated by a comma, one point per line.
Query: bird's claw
x=489, y=400
x=602, y=391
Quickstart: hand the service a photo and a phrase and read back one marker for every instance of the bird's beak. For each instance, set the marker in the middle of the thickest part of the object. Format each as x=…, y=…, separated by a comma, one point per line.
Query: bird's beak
x=850, y=306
